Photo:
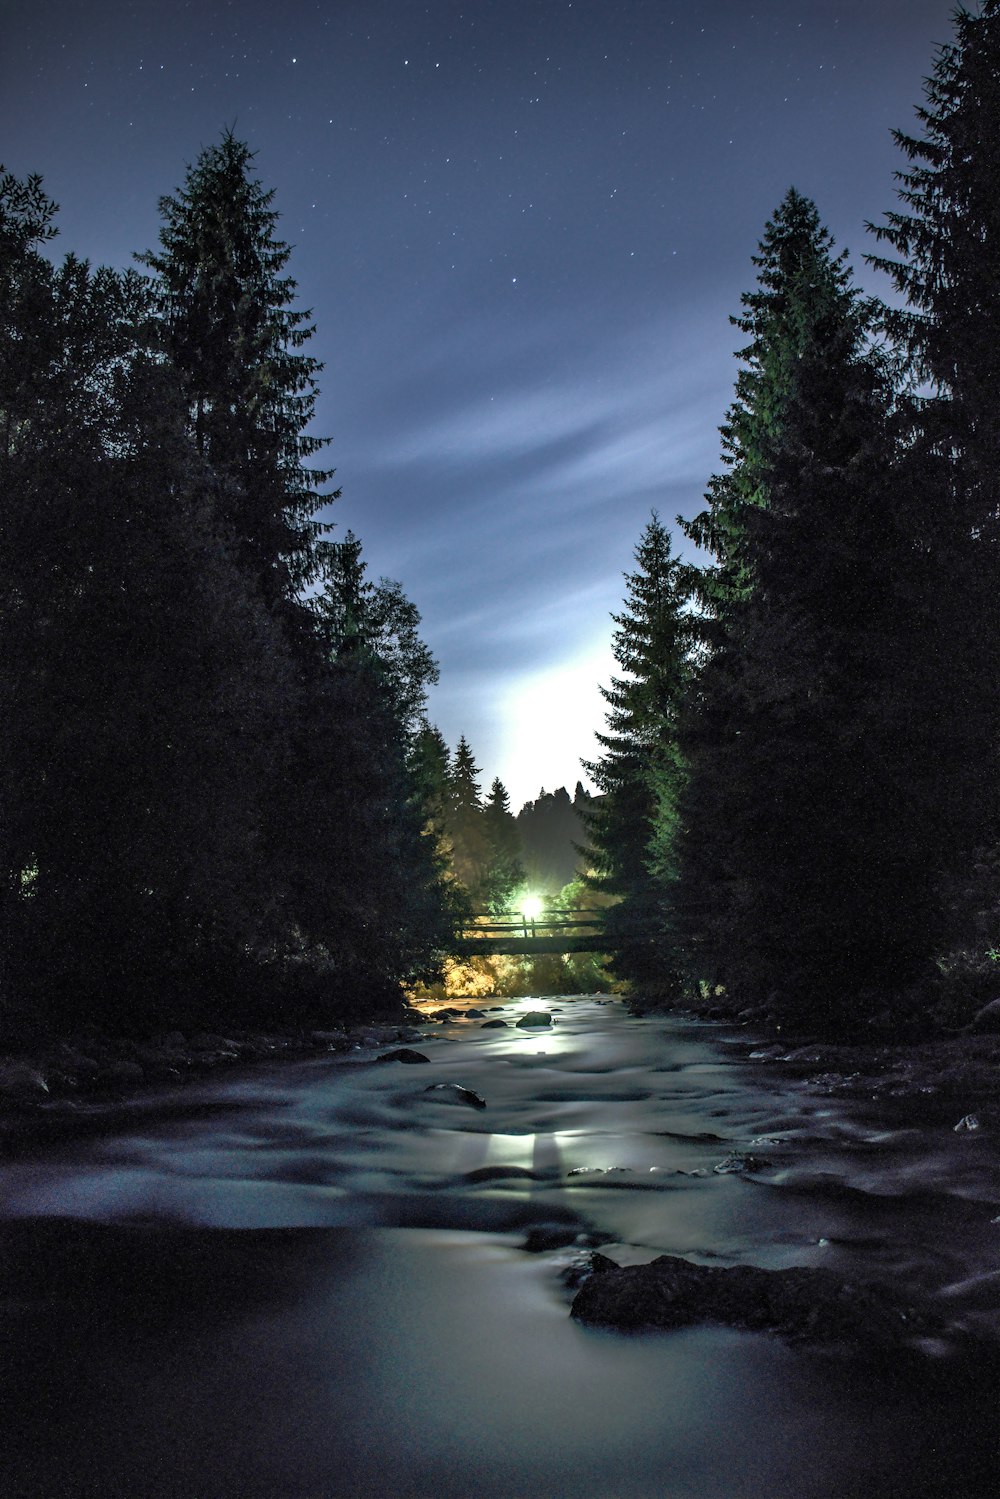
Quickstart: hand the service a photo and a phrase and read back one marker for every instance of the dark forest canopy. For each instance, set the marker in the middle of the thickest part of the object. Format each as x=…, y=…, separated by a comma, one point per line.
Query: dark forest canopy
x=801, y=778
x=209, y=799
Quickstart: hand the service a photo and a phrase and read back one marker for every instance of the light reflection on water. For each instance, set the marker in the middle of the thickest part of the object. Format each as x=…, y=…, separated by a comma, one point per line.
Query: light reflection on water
x=307, y=1282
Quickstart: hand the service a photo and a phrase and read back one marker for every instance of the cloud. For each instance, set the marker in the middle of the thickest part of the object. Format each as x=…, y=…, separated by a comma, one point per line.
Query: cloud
x=642, y=411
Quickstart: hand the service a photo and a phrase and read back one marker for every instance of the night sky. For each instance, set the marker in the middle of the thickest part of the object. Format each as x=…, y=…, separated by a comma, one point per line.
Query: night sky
x=522, y=226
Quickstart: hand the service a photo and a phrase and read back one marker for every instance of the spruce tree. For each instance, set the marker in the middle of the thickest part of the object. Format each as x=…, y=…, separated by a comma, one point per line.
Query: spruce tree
x=141, y=677
x=380, y=623
x=430, y=762
x=639, y=774
x=385, y=906
x=364, y=882
x=504, y=871
x=808, y=848
x=943, y=254
x=230, y=327
x=465, y=820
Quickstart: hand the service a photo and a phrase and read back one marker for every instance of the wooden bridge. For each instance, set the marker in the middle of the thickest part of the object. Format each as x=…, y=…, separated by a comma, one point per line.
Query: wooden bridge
x=517, y=935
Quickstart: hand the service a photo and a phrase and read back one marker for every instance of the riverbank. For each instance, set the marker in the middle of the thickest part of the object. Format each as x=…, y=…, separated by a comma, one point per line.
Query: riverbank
x=955, y=1066
x=54, y=1088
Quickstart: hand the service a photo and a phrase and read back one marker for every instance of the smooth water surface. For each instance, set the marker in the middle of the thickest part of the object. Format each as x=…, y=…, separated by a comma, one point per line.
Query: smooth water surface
x=309, y=1281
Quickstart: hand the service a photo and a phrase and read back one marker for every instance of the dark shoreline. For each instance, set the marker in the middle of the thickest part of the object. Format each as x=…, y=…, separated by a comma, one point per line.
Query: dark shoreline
x=66, y=1086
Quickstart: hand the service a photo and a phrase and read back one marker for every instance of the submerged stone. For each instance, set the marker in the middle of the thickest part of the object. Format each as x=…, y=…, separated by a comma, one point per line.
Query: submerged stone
x=402, y=1054
x=501, y=1173
x=541, y=1237
x=544, y=1236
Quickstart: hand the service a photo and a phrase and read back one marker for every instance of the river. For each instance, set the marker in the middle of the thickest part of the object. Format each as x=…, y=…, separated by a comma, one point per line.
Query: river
x=309, y=1281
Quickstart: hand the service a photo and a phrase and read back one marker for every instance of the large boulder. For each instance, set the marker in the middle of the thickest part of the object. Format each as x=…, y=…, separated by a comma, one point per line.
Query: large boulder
x=534, y=1018
x=800, y=1304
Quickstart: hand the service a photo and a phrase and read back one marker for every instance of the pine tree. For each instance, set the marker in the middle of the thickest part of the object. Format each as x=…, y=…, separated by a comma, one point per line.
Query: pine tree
x=379, y=622
x=944, y=257
x=230, y=328
x=430, y=763
x=640, y=772
x=140, y=675
x=504, y=871
x=364, y=882
x=807, y=854
x=366, y=876
x=465, y=820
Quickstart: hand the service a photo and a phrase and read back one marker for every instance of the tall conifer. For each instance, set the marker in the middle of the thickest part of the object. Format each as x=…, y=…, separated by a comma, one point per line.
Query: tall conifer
x=465, y=819
x=140, y=673
x=942, y=250
x=632, y=824
x=808, y=870
x=231, y=329
x=504, y=871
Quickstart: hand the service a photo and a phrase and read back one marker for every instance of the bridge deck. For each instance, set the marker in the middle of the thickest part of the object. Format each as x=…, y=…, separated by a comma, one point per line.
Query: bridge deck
x=512, y=946
x=553, y=932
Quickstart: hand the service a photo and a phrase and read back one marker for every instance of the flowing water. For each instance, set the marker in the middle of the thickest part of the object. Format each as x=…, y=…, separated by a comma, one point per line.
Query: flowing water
x=310, y=1281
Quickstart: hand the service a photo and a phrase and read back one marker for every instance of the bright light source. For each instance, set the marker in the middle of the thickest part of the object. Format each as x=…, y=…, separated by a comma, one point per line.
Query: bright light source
x=531, y=907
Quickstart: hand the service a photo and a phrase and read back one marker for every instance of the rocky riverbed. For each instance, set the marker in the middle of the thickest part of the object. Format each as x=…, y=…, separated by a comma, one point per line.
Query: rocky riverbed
x=351, y=1273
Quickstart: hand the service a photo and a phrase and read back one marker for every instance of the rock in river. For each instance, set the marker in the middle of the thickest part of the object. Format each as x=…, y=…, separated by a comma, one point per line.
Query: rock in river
x=402, y=1054
x=533, y=1018
x=741, y=1164
x=800, y=1304
x=455, y=1093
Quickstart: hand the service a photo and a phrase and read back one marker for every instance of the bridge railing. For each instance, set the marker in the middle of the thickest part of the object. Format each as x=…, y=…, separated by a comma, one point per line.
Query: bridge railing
x=548, y=923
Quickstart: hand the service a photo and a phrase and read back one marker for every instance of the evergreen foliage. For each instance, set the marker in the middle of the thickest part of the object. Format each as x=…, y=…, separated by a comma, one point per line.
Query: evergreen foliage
x=357, y=885
x=504, y=873
x=229, y=327
x=378, y=623
x=430, y=764
x=553, y=831
x=374, y=892
x=943, y=245
x=811, y=833
x=470, y=851
x=218, y=783
x=632, y=824
x=141, y=675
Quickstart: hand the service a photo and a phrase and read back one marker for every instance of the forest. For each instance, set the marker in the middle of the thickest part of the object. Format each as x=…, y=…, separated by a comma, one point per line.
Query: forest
x=221, y=795
x=799, y=768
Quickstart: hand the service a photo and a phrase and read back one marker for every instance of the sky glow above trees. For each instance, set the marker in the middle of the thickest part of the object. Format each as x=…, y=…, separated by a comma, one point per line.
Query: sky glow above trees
x=522, y=228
